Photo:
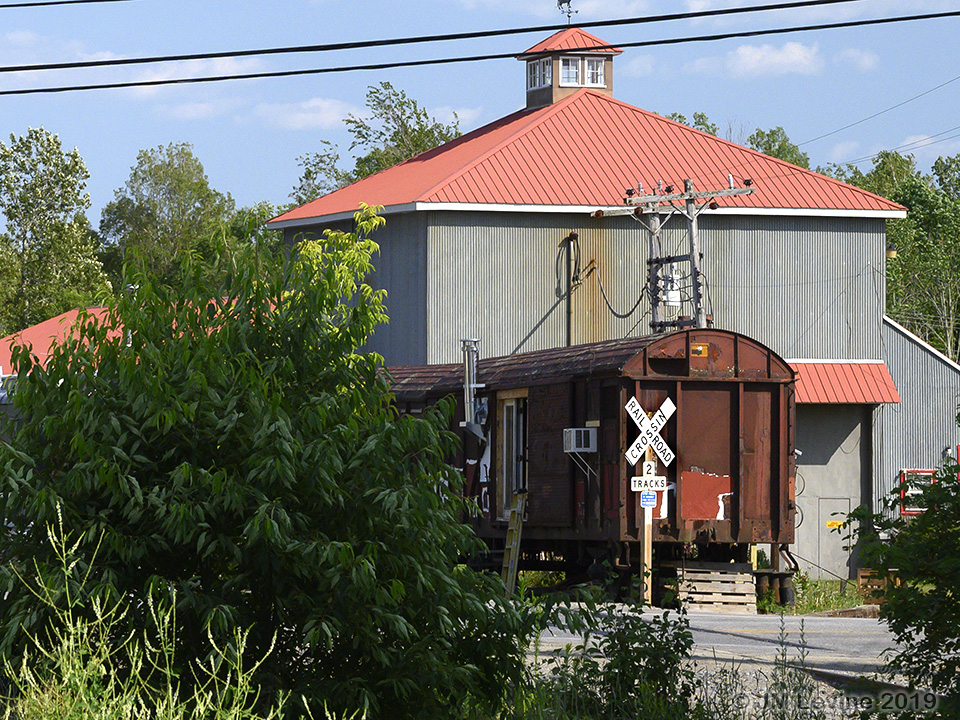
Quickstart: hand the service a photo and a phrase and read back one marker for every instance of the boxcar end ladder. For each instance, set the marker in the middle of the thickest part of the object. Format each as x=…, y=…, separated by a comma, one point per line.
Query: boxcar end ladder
x=511, y=550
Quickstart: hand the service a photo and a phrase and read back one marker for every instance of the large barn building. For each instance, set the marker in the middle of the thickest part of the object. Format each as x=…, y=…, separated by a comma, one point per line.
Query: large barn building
x=496, y=236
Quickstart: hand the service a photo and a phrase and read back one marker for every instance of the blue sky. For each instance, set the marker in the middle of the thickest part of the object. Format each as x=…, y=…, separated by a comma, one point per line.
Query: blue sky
x=249, y=133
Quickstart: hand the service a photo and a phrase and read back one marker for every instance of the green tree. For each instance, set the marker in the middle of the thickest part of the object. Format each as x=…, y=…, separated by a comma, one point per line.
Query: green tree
x=49, y=255
x=776, y=143
x=922, y=608
x=923, y=285
x=320, y=174
x=167, y=211
x=398, y=129
x=923, y=281
x=700, y=122
x=241, y=454
x=947, y=173
x=890, y=170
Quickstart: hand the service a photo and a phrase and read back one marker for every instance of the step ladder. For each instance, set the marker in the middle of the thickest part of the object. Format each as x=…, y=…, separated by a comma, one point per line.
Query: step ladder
x=511, y=550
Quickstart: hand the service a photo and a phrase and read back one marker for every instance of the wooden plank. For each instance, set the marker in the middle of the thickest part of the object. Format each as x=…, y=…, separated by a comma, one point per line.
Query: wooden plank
x=715, y=573
x=717, y=597
x=717, y=577
x=724, y=587
x=734, y=609
x=714, y=566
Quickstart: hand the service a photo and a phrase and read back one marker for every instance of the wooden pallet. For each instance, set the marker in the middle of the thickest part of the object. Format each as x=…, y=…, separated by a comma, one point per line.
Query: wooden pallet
x=872, y=584
x=713, y=588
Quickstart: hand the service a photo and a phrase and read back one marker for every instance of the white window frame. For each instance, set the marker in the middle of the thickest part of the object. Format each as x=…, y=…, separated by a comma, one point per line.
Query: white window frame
x=546, y=72
x=576, y=62
x=587, y=61
x=539, y=73
x=533, y=74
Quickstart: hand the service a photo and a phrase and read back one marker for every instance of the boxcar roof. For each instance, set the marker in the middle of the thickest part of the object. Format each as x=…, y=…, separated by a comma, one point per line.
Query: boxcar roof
x=524, y=369
x=610, y=358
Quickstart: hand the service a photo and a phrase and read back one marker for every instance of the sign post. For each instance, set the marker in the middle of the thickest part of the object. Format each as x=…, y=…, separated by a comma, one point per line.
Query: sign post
x=648, y=484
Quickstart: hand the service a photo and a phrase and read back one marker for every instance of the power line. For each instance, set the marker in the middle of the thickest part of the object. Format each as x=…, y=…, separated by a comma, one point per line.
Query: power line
x=48, y=3
x=915, y=145
x=466, y=58
x=355, y=45
x=881, y=112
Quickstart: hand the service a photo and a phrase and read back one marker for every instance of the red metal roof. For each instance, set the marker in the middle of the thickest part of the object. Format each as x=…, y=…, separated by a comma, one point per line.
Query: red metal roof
x=41, y=337
x=572, y=39
x=585, y=150
x=857, y=383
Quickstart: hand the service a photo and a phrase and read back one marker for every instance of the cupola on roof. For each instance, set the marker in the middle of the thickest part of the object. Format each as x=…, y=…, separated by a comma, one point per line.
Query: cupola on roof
x=565, y=62
x=572, y=40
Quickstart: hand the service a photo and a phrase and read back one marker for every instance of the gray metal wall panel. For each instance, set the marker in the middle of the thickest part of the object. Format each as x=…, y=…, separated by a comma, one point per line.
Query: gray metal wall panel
x=502, y=277
x=400, y=269
x=915, y=433
x=807, y=287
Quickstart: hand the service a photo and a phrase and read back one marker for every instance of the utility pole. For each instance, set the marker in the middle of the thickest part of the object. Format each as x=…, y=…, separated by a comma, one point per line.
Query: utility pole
x=653, y=271
x=690, y=207
x=685, y=203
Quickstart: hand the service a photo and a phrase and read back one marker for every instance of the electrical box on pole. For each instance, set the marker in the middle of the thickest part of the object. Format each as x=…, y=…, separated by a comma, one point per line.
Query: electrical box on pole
x=689, y=203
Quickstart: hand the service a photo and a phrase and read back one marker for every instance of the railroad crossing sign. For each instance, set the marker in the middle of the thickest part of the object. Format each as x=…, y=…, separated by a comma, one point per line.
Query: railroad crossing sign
x=650, y=431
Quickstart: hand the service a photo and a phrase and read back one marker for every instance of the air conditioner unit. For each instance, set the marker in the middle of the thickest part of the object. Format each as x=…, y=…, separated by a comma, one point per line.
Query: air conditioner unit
x=579, y=440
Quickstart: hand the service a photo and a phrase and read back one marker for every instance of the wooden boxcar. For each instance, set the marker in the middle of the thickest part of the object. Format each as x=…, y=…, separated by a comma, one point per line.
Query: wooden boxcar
x=731, y=482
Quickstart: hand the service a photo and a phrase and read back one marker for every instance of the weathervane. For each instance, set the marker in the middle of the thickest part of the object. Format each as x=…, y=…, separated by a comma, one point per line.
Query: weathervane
x=564, y=7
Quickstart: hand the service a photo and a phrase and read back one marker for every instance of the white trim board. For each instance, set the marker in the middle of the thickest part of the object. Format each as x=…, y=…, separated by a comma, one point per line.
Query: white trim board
x=585, y=210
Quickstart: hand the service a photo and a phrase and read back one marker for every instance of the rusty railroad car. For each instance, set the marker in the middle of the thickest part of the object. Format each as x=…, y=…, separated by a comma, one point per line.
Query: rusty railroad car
x=730, y=484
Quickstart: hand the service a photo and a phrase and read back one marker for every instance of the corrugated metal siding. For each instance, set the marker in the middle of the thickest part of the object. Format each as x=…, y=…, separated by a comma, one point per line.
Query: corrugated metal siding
x=806, y=287
x=914, y=433
x=502, y=278
x=400, y=269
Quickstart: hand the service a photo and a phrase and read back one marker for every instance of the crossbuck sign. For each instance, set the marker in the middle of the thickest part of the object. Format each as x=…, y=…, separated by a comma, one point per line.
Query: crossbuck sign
x=650, y=431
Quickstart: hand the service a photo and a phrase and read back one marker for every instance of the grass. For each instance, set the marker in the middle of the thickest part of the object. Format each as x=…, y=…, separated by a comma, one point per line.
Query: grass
x=814, y=596
x=822, y=595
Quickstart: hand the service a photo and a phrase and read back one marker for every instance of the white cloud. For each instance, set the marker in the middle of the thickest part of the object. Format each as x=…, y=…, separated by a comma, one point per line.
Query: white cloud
x=467, y=116
x=640, y=66
x=313, y=114
x=843, y=151
x=927, y=148
x=793, y=57
x=812, y=14
x=862, y=60
x=762, y=60
x=194, y=68
x=195, y=110
x=20, y=39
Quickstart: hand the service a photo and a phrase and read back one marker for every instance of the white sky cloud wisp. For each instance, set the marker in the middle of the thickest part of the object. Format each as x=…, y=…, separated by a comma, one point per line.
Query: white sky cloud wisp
x=312, y=114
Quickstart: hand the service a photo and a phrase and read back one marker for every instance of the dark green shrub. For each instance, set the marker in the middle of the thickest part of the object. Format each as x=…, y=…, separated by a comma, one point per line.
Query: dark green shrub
x=921, y=604
x=235, y=450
